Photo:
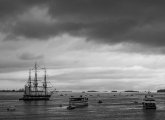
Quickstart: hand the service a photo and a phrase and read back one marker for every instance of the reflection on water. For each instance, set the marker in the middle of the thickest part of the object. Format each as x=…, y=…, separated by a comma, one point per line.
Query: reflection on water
x=149, y=114
x=115, y=106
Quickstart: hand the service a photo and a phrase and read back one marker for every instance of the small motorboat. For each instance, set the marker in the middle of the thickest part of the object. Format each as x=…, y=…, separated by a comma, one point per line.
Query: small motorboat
x=100, y=101
x=149, y=102
x=11, y=108
x=78, y=101
x=70, y=107
x=61, y=95
x=60, y=105
x=135, y=102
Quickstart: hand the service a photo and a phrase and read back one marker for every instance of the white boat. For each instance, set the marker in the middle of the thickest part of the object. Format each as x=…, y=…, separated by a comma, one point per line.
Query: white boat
x=149, y=102
x=78, y=101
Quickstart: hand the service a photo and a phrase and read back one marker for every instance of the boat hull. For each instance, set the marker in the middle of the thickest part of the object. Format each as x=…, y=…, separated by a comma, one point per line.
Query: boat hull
x=149, y=105
x=71, y=107
x=80, y=104
x=35, y=97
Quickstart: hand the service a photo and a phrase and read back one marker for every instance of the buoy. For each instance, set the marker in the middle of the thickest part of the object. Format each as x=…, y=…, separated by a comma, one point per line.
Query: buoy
x=61, y=95
x=100, y=101
x=71, y=107
x=135, y=102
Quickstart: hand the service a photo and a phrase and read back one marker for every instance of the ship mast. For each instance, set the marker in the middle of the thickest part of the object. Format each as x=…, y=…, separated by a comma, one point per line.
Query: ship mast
x=29, y=81
x=35, y=79
x=45, y=83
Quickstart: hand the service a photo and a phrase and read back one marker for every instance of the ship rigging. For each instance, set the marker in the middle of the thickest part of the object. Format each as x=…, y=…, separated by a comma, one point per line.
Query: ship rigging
x=34, y=91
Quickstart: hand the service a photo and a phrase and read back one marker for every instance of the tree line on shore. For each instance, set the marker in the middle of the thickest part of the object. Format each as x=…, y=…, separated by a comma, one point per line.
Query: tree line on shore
x=13, y=90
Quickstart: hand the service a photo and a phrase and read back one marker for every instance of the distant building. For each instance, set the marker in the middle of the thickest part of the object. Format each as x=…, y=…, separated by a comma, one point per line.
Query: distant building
x=130, y=91
x=114, y=91
x=92, y=91
x=161, y=90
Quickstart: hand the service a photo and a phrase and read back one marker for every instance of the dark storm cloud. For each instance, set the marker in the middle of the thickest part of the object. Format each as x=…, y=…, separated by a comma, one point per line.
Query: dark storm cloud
x=43, y=31
x=30, y=56
x=10, y=8
x=104, y=21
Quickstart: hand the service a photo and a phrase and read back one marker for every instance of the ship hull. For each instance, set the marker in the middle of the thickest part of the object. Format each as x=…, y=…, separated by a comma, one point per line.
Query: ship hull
x=80, y=104
x=35, y=97
x=149, y=105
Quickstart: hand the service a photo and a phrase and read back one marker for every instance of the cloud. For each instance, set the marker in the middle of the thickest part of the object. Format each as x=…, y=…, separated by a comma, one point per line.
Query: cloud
x=104, y=78
x=104, y=73
x=11, y=9
x=30, y=56
x=87, y=42
x=109, y=22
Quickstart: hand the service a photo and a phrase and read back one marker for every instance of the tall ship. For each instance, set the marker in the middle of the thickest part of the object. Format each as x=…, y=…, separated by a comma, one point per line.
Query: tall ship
x=34, y=90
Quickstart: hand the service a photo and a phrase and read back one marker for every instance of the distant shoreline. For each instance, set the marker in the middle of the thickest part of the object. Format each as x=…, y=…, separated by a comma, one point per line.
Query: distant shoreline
x=11, y=90
x=161, y=90
x=130, y=91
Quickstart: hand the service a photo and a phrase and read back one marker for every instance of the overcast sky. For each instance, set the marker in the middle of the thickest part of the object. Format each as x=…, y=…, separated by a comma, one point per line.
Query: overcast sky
x=85, y=44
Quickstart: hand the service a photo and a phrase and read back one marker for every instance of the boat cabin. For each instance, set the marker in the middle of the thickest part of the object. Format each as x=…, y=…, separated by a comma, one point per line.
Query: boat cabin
x=78, y=101
x=149, y=102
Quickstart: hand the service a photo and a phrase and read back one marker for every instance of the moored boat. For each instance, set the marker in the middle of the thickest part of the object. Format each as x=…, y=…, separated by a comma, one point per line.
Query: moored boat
x=149, y=102
x=34, y=91
x=100, y=101
x=70, y=107
x=78, y=101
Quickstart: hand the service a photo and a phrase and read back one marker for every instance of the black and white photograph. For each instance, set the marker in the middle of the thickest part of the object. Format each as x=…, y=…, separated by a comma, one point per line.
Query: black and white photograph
x=82, y=60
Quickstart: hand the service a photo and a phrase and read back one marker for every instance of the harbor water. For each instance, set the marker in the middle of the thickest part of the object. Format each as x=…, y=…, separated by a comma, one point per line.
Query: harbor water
x=115, y=106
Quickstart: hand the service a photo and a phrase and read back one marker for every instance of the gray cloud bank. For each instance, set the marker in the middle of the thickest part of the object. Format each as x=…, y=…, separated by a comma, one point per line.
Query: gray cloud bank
x=30, y=56
x=103, y=21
